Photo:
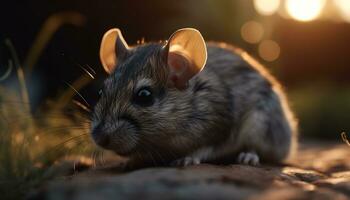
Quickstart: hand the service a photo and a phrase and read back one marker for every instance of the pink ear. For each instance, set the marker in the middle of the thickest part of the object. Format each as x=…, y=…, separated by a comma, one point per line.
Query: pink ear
x=186, y=56
x=180, y=70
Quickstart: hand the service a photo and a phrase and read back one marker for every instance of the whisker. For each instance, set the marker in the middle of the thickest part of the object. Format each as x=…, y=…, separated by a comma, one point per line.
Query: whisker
x=80, y=66
x=100, y=159
x=64, y=150
x=87, y=72
x=25, y=114
x=100, y=156
x=78, y=93
x=23, y=118
x=93, y=158
x=59, y=129
x=85, y=108
x=96, y=161
x=69, y=150
x=92, y=70
x=58, y=146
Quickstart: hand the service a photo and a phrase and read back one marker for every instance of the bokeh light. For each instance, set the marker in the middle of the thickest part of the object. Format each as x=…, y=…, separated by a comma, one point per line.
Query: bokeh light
x=269, y=50
x=266, y=7
x=305, y=10
x=252, y=32
x=344, y=8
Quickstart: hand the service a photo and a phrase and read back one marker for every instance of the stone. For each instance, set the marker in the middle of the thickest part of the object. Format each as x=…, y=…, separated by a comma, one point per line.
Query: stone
x=318, y=171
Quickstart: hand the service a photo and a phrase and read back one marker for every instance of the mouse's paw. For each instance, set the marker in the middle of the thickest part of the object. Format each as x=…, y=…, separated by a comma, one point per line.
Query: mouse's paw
x=186, y=161
x=248, y=158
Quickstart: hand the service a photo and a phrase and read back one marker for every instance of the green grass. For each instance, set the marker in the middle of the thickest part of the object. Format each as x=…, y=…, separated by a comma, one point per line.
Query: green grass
x=32, y=143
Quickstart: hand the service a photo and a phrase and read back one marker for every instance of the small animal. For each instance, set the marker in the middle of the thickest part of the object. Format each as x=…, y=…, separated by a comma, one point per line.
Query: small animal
x=185, y=102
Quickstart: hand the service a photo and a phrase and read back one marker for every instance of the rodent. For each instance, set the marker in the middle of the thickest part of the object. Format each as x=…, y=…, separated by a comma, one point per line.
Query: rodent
x=185, y=101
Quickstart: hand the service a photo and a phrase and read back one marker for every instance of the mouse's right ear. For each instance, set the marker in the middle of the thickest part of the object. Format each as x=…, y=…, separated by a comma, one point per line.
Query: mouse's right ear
x=186, y=55
x=113, y=49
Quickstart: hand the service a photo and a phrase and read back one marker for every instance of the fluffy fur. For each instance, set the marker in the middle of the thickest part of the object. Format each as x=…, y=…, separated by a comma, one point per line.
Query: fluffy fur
x=232, y=109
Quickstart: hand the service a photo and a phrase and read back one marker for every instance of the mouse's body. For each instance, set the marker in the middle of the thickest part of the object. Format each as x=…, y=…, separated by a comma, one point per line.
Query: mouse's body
x=254, y=106
x=187, y=102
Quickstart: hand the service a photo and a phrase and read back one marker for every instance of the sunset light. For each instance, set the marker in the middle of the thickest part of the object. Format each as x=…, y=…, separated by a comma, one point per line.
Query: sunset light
x=304, y=10
x=266, y=7
x=344, y=9
x=252, y=32
x=269, y=50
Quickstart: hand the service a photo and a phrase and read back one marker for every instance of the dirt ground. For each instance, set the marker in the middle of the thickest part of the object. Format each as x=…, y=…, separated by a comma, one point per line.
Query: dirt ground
x=318, y=171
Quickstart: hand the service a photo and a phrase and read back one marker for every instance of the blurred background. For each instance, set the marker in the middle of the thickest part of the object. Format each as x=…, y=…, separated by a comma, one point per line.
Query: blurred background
x=304, y=43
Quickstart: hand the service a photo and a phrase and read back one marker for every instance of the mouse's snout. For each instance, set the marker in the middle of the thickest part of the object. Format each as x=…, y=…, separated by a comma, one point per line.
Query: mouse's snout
x=119, y=136
x=102, y=139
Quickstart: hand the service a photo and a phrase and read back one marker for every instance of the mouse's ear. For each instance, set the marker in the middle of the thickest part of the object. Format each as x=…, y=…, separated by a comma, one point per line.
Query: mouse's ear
x=113, y=48
x=186, y=55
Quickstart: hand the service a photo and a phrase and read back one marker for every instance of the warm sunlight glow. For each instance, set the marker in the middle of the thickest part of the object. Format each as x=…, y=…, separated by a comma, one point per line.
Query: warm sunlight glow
x=305, y=10
x=252, y=32
x=344, y=8
x=269, y=50
x=266, y=7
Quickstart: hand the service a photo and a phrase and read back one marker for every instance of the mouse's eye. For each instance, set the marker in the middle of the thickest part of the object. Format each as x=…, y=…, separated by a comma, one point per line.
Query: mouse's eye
x=144, y=97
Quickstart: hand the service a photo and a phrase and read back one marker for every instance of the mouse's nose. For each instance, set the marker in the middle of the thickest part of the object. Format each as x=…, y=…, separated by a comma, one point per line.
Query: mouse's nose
x=100, y=137
x=103, y=141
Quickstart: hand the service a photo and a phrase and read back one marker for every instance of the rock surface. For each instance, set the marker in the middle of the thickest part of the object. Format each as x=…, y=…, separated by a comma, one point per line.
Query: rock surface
x=318, y=171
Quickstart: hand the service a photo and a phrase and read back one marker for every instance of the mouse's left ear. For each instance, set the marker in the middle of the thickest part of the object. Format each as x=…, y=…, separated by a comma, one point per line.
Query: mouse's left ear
x=113, y=49
x=186, y=55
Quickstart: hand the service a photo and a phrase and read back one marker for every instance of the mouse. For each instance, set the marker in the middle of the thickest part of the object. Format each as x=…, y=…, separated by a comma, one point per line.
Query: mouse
x=185, y=101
